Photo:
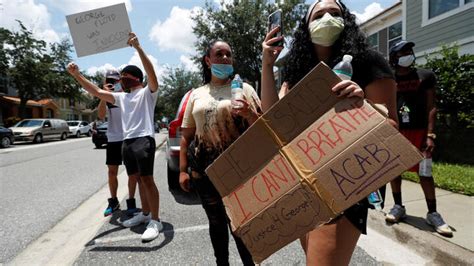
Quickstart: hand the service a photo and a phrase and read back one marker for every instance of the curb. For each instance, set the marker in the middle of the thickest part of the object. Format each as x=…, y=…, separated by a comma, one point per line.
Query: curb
x=433, y=248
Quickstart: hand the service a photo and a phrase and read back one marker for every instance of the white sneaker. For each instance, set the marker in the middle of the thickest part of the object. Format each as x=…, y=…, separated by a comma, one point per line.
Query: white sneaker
x=434, y=219
x=137, y=219
x=152, y=230
x=396, y=214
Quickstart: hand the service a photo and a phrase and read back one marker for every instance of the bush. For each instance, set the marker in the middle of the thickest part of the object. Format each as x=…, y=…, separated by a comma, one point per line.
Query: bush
x=455, y=104
x=455, y=87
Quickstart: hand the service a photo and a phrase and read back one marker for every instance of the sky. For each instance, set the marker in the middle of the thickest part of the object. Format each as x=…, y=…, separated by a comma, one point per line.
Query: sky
x=163, y=27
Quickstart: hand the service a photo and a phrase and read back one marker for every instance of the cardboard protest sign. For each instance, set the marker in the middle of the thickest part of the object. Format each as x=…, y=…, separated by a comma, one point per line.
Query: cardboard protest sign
x=99, y=30
x=305, y=161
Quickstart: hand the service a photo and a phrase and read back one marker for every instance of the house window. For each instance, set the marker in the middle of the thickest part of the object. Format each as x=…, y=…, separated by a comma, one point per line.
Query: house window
x=436, y=10
x=373, y=41
x=438, y=7
x=394, y=34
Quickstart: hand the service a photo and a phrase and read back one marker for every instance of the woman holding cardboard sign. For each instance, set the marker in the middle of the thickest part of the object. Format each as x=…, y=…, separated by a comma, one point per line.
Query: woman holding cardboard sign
x=210, y=125
x=327, y=33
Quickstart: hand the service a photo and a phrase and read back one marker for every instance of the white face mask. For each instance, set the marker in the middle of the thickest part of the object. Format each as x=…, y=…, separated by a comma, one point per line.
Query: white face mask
x=406, y=61
x=326, y=30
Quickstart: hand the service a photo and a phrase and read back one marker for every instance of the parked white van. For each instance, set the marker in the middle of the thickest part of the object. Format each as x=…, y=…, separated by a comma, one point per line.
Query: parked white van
x=37, y=130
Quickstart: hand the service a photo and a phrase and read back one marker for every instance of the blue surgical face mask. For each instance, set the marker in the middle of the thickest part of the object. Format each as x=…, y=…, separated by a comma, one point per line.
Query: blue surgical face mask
x=117, y=87
x=222, y=71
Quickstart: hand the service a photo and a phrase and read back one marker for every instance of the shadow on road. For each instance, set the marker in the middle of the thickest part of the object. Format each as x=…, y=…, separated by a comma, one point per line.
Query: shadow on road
x=116, y=219
x=186, y=198
x=168, y=233
x=420, y=223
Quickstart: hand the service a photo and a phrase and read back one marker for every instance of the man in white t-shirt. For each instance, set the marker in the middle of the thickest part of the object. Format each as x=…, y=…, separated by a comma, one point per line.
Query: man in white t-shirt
x=139, y=146
x=113, y=158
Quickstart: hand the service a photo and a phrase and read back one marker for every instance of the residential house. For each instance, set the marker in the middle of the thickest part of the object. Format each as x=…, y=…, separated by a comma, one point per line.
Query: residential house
x=9, y=113
x=427, y=23
x=44, y=108
x=75, y=110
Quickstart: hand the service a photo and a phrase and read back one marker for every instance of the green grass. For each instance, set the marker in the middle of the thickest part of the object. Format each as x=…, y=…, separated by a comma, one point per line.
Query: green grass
x=453, y=177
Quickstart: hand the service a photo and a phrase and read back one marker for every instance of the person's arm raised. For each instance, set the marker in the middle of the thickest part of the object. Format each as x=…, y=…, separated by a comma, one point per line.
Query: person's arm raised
x=270, y=54
x=90, y=87
x=150, y=72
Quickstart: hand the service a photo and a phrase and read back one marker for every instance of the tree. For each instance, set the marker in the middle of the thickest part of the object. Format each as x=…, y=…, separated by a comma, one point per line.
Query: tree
x=243, y=24
x=98, y=79
x=61, y=84
x=34, y=71
x=29, y=65
x=4, y=36
x=175, y=84
x=455, y=86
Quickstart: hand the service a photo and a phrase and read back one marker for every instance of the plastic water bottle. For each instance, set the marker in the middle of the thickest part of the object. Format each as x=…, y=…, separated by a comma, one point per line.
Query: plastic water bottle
x=237, y=92
x=344, y=68
x=375, y=199
x=425, y=167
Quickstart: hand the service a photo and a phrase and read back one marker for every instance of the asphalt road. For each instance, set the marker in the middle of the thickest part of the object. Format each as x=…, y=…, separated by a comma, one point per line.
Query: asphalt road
x=185, y=240
x=42, y=183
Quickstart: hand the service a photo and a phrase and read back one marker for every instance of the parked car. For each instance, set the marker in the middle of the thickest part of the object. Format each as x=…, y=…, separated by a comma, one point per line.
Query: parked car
x=6, y=137
x=163, y=125
x=99, y=134
x=173, y=144
x=78, y=128
x=39, y=129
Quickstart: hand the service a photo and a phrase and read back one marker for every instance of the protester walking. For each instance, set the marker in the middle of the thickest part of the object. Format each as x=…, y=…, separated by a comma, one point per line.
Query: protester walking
x=210, y=125
x=139, y=145
x=114, y=146
x=417, y=116
x=327, y=33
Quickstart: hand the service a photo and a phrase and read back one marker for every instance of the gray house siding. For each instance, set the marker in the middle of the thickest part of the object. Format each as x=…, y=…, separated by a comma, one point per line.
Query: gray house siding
x=451, y=29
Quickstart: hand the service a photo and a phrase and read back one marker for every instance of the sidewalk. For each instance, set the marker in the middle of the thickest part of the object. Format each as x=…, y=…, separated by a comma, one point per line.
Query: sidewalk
x=456, y=209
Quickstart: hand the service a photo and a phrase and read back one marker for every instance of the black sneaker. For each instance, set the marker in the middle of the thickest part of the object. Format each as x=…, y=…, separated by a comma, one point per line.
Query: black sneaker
x=131, y=207
x=113, y=206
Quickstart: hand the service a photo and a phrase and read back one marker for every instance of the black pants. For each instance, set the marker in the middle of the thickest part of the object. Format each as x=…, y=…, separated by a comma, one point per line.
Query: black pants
x=219, y=223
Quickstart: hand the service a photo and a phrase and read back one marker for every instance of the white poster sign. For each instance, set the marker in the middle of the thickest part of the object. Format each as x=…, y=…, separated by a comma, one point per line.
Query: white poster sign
x=99, y=30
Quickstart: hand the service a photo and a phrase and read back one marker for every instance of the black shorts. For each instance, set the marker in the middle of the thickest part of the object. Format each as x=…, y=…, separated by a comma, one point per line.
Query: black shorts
x=357, y=215
x=114, y=153
x=139, y=155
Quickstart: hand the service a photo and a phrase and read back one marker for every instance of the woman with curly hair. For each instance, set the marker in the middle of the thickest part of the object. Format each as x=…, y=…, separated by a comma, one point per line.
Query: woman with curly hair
x=327, y=33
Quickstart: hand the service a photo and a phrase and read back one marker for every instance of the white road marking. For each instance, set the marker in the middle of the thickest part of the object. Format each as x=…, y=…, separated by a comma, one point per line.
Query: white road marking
x=106, y=240
x=387, y=251
x=16, y=147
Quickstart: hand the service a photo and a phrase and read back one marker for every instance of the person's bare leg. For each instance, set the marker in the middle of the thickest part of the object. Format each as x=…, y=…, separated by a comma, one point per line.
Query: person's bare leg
x=132, y=186
x=332, y=244
x=428, y=186
x=143, y=195
x=396, y=185
x=113, y=182
x=152, y=195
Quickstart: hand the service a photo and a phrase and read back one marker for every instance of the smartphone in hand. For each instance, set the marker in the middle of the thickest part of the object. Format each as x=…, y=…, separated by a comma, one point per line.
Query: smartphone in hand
x=275, y=20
